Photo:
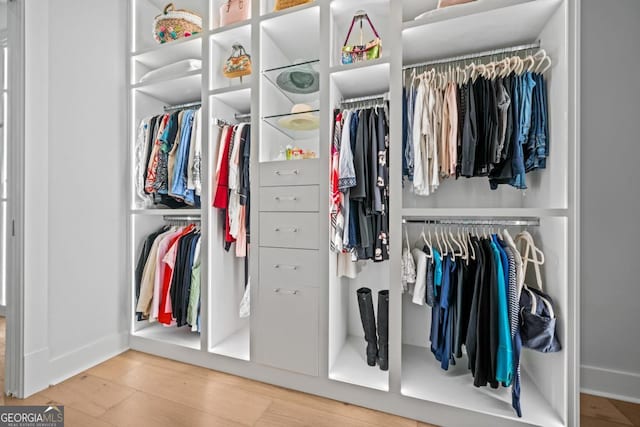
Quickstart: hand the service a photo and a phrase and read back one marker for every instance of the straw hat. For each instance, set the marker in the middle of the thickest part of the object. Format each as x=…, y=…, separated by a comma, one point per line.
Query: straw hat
x=301, y=118
x=302, y=79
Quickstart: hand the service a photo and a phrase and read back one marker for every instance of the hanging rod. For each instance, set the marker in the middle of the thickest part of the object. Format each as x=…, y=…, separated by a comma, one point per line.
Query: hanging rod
x=535, y=45
x=181, y=218
x=528, y=221
x=383, y=96
x=182, y=106
x=238, y=117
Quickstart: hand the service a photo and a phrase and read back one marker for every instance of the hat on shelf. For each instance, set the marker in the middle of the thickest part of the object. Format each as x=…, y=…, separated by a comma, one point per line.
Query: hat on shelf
x=301, y=118
x=300, y=78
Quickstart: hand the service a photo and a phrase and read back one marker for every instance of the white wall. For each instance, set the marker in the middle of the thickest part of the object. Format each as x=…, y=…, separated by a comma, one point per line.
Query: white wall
x=610, y=198
x=75, y=176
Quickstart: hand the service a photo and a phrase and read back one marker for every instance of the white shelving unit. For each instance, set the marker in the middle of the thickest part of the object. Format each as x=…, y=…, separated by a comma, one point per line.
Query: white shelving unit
x=304, y=331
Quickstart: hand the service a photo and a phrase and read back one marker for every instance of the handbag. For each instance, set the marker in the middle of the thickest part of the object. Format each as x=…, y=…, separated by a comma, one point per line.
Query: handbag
x=238, y=64
x=174, y=24
x=537, y=316
x=447, y=3
x=285, y=4
x=233, y=11
x=362, y=51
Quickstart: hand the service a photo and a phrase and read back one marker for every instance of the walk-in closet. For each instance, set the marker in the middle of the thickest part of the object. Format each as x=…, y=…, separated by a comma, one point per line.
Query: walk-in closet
x=304, y=175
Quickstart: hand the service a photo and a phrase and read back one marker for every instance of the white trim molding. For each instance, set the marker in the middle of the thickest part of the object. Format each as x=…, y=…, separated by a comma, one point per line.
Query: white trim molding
x=610, y=383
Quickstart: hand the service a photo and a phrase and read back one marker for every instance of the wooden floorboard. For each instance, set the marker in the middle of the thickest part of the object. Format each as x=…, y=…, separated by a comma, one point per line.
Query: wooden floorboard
x=138, y=390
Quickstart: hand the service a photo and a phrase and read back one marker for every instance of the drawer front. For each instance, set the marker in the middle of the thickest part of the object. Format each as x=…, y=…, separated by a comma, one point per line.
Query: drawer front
x=289, y=230
x=291, y=267
x=290, y=172
x=287, y=331
x=290, y=199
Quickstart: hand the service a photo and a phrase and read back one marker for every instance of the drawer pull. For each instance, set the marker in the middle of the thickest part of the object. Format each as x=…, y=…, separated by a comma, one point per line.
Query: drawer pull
x=289, y=172
x=287, y=267
x=284, y=292
x=291, y=229
x=281, y=198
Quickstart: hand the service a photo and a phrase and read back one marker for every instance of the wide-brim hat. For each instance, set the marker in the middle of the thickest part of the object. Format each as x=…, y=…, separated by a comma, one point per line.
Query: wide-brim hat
x=301, y=118
x=302, y=79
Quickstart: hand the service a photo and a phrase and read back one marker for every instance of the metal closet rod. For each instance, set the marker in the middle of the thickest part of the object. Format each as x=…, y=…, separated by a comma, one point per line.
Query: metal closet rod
x=511, y=49
x=382, y=96
x=182, y=106
x=181, y=218
x=529, y=221
x=237, y=117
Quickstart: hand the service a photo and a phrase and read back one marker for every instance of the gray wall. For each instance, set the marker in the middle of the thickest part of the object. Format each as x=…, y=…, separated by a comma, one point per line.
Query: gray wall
x=610, y=185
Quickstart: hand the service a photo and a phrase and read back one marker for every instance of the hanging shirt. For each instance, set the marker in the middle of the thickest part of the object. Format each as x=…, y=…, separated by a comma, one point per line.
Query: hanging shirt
x=194, y=164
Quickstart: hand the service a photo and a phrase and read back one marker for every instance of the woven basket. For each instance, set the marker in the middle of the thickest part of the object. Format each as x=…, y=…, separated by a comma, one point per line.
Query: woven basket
x=284, y=4
x=175, y=24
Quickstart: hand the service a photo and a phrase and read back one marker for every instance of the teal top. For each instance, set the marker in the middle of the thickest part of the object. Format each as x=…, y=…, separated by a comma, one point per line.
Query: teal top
x=504, y=358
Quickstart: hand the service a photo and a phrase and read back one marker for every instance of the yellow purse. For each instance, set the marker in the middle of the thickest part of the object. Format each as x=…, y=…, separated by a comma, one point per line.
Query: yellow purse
x=238, y=64
x=285, y=4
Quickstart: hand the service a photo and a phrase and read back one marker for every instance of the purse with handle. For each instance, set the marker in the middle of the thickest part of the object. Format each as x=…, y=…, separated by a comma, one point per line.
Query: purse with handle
x=361, y=52
x=537, y=316
x=233, y=11
x=238, y=64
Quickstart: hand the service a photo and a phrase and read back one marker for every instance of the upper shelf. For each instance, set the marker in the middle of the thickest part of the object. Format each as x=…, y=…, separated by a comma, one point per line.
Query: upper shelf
x=480, y=28
x=175, y=91
x=168, y=53
x=429, y=13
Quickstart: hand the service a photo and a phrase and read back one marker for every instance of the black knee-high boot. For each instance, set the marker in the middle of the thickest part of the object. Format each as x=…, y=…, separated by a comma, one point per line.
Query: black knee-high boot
x=383, y=330
x=365, y=303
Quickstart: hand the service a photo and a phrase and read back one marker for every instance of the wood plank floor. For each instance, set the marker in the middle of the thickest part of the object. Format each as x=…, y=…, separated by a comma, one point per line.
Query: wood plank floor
x=138, y=390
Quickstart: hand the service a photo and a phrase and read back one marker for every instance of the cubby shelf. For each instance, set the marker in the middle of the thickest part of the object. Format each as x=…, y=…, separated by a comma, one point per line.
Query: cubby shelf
x=351, y=366
x=430, y=14
x=291, y=10
x=422, y=378
x=235, y=345
x=159, y=212
x=170, y=335
x=487, y=29
x=167, y=53
x=177, y=90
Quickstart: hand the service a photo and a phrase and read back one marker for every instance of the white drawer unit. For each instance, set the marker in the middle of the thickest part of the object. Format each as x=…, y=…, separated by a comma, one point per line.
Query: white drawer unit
x=287, y=331
x=290, y=199
x=290, y=172
x=296, y=267
x=289, y=230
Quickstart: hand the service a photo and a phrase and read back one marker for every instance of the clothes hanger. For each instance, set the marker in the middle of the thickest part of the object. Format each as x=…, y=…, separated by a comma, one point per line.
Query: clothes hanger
x=457, y=243
x=426, y=242
x=463, y=245
x=473, y=249
x=442, y=253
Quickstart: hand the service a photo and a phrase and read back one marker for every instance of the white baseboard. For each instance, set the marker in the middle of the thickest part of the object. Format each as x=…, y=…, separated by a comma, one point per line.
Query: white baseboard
x=36, y=374
x=72, y=363
x=610, y=383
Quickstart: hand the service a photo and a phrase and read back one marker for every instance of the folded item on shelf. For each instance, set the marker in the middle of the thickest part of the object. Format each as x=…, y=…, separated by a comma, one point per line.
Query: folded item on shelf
x=173, y=70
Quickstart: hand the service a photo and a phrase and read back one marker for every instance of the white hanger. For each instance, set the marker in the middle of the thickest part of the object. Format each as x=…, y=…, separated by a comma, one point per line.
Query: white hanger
x=457, y=243
x=473, y=249
x=427, y=243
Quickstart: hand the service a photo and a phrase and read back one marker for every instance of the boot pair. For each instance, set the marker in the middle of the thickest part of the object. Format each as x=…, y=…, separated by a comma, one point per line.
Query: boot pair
x=377, y=344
